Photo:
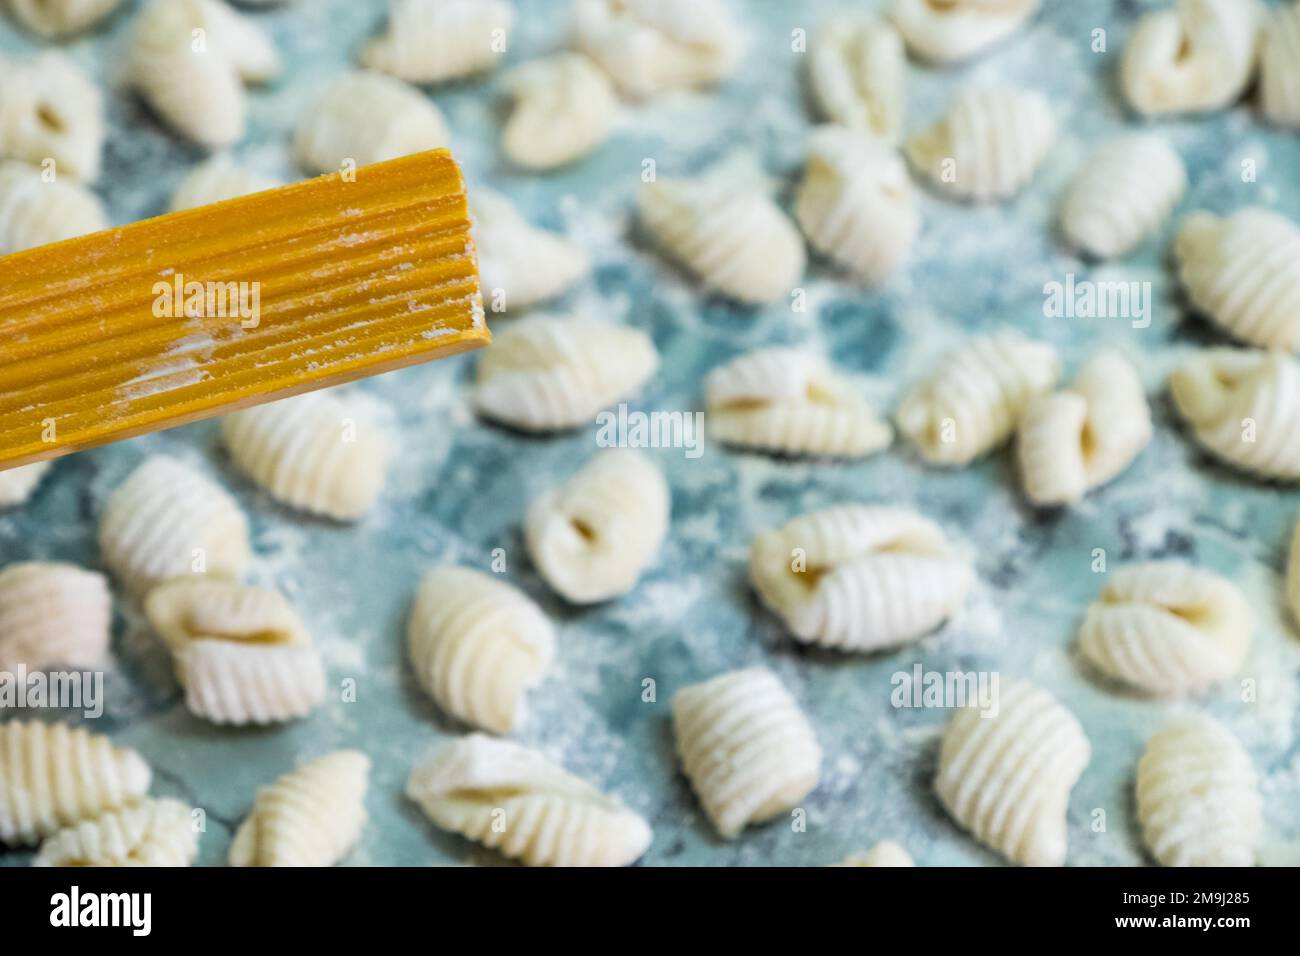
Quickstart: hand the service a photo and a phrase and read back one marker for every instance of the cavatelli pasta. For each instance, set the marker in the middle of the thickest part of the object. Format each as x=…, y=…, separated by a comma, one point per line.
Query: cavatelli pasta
x=564, y=107
x=949, y=31
x=217, y=180
x=884, y=853
x=35, y=213
x=146, y=833
x=59, y=18
x=857, y=69
x=52, y=613
x=1279, y=68
x=432, y=41
x=17, y=484
x=50, y=110
x=520, y=265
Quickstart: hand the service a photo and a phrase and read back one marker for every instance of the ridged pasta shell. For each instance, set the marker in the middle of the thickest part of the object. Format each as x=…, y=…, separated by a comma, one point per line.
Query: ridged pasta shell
x=52, y=776
x=217, y=180
x=734, y=239
x=59, y=18
x=147, y=833
x=366, y=117
x=190, y=60
x=1167, y=628
x=52, y=613
x=35, y=213
x=857, y=69
x=1192, y=57
x=949, y=31
x=1198, y=796
x=970, y=402
x=512, y=799
x=859, y=577
x=856, y=203
x=564, y=107
x=1243, y=271
x=649, y=46
x=1075, y=440
x=478, y=646
x=17, y=484
x=519, y=264
x=1243, y=405
x=166, y=520
x=432, y=41
x=311, y=816
x=320, y=452
x=50, y=109
x=884, y=853
x=545, y=373
x=989, y=145
x=593, y=536
x=1007, y=777
x=746, y=747
x=794, y=402
x=1122, y=195
x=1279, y=68
x=1293, y=575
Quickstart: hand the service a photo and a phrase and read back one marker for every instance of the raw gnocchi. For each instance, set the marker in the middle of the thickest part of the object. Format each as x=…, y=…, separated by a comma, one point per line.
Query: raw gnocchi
x=949, y=31
x=59, y=18
x=519, y=264
x=857, y=69
x=432, y=41
x=18, y=484
x=1279, y=68
x=51, y=111
x=564, y=107
x=35, y=213
x=884, y=853
x=147, y=833
x=217, y=180
x=52, y=613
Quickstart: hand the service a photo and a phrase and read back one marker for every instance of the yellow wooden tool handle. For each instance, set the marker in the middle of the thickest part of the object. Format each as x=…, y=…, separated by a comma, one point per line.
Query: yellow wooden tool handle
x=209, y=310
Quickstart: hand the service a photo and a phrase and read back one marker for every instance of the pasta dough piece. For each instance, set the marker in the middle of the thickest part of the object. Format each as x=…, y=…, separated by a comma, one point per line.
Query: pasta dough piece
x=17, y=484
x=512, y=799
x=217, y=180
x=989, y=145
x=564, y=106
x=478, y=646
x=148, y=833
x=1293, y=575
x=241, y=653
x=168, y=520
x=1279, y=68
x=650, y=46
x=320, y=452
x=520, y=265
x=791, y=401
x=884, y=853
x=52, y=613
x=857, y=69
x=747, y=749
x=1167, y=628
x=1123, y=194
x=970, y=402
x=59, y=18
x=949, y=31
x=190, y=60
x=432, y=41
x=311, y=816
x=859, y=577
x=35, y=213
x=856, y=203
x=1006, y=777
x=1243, y=405
x=593, y=536
x=50, y=110
x=546, y=373
x=52, y=776
x=1192, y=57
x=1243, y=271
x=1198, y=796
x=366, y=118
x=1081, y=438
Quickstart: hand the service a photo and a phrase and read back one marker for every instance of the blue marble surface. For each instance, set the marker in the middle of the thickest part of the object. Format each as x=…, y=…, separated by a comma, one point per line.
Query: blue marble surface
x=459, y=487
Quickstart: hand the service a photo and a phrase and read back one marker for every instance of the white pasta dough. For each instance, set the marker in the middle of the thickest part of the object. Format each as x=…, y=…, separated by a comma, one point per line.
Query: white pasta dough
x=1006, y=777
x=53, y=776
x=793, y=402
x=856, y=203
x=1198, y=796
x=366, y=117
x=593, y=535
x=168, y=520
x=17, y=484
x=514, y=800
x=431, y=41
x=564, y=107
x=311, y=816
x=478, y=645
x=1293, y=575
x=970, y=402
x=884, y=853
x=1075, y=440
x=988, y=146
x=859, y=577
x=545, y=373
x=1195, y=56
x=50, y=110
x=1279, y=68
x=147, y=833
x=520, y=265
x=1167, y=628
x=1122, y=195
x=190, y=60
x=217, y=180
x=1243, y=405
x=59, y=18
x=241, y=652
x=746, y=747
x=1243, y=271
x=52, y=613
x=949, y=31
x=35, y=213
x=322, y=452
x=857, y=69
x=649, y=46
